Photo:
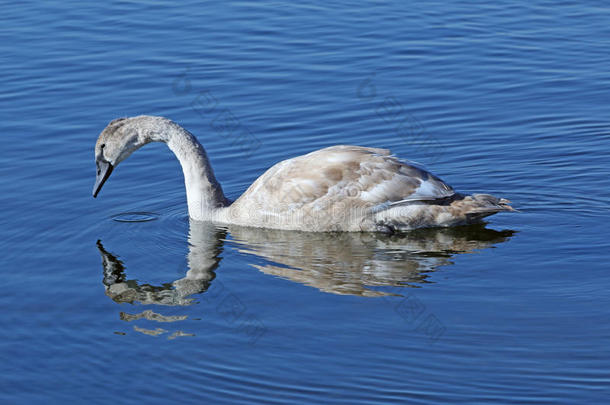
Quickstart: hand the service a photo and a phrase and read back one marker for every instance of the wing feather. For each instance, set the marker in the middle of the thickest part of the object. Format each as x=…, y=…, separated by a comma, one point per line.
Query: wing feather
x=354, y=175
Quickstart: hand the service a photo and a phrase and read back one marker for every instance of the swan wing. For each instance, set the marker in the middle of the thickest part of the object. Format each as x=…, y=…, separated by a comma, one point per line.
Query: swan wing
x=358, y=176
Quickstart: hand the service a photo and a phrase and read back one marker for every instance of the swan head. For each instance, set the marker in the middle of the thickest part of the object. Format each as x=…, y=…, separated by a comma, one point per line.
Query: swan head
x=116, y=142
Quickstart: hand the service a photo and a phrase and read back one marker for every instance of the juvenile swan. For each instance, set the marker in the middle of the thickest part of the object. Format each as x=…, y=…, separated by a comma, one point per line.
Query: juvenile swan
x=340, y=188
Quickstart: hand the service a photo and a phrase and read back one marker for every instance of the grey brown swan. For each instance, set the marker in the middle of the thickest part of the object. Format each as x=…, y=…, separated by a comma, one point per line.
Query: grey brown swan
x=339, y=188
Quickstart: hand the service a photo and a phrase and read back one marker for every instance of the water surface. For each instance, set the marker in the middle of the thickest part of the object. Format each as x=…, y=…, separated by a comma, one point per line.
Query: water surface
x=509, y=99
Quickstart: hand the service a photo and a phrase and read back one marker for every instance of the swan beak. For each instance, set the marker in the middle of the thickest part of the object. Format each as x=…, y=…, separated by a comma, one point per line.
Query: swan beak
x=103, y=172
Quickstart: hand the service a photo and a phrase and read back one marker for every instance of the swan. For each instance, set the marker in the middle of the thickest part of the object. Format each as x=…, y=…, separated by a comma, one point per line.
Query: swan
x=336, y=189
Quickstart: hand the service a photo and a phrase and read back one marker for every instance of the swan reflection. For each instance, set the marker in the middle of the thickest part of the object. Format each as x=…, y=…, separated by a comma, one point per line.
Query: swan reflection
x=363, y=264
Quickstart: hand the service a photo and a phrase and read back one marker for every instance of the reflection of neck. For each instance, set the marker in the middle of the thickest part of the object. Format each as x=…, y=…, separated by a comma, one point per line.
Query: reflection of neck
x=205, y=246
x=204, y=194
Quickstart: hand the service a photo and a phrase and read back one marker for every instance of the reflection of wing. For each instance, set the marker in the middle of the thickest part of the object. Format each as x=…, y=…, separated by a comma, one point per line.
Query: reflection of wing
x=352, y=263
x=355, y=175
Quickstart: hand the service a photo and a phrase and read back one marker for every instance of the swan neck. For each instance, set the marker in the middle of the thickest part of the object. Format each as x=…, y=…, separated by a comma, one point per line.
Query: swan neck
x=204, y=193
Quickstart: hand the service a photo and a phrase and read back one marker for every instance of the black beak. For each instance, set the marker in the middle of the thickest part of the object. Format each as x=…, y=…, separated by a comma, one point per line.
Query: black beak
x=103, y=172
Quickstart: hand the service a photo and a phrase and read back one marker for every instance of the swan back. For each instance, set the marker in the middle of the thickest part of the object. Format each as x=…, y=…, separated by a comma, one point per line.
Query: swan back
x=336, y=181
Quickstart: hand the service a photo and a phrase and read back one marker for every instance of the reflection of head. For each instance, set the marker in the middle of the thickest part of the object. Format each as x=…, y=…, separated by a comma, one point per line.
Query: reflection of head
x=204, y=255
x=122, y=290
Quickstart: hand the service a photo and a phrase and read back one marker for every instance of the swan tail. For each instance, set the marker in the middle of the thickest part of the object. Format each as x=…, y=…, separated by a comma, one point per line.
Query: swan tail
x=456, y=210
x=478, y=206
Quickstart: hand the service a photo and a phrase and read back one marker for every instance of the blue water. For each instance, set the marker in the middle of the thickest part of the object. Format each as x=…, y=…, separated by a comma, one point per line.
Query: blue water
x=510, y=98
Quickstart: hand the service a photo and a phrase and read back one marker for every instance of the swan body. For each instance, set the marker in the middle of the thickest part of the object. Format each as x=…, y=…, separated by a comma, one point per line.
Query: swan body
x=339, y=188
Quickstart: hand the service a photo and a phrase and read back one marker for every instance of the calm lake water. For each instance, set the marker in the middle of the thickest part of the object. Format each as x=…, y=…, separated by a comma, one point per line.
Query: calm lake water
x=511, y=99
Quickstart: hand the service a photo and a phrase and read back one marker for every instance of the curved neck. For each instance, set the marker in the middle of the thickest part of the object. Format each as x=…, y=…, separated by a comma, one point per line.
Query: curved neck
x=203, y=192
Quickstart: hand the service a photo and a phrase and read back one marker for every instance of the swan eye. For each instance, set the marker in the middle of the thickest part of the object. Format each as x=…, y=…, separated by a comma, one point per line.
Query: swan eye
x=102, y=146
